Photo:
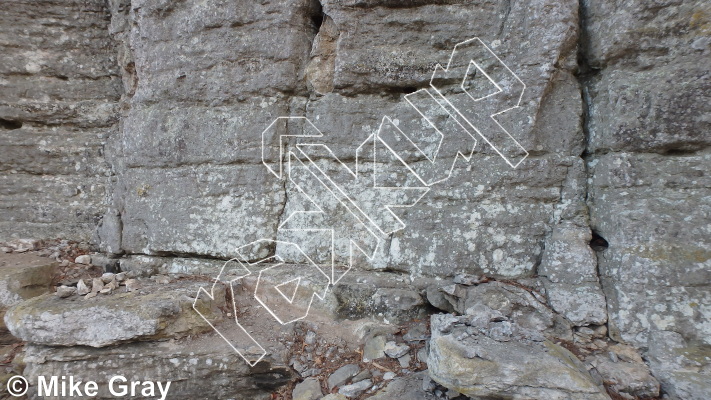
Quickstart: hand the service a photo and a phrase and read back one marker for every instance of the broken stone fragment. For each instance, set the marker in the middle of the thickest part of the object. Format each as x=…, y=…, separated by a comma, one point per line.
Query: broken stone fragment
x=132, y=285
x=363, y=375
x=162, y=279
x=508, y=302
x=408, y=387
x=416, y=333
x=82, y=289
x=97, y=285
x=422, y=355
x=309, y=389
x=23, y=276
x=394, y=350
x=436, y=297
x=23, y=245
x=625, y=375
x=121, y=276
x=310, y=337
x=469, y=280
x=113, y=285
x=355, y=389
x=342, y=375
x=65, y=291
x=91, y=295
x=83, y=259
x=374, y=348
x=108, y=277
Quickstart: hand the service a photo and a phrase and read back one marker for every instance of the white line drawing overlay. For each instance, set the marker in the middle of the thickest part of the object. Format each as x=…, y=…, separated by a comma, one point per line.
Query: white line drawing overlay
x=367, y=208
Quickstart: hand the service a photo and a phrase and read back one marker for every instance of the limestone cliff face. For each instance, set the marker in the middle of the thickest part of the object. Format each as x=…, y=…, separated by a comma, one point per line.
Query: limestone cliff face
x=137, y=125
x=647, y=89
x=60, y=88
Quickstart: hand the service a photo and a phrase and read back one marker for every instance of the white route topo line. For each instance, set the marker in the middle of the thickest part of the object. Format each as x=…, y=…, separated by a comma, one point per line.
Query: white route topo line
x=311, y=177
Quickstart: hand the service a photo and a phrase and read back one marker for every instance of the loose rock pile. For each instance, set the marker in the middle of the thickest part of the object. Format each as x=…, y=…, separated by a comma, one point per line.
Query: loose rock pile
x=495, y=337
x=106, y=284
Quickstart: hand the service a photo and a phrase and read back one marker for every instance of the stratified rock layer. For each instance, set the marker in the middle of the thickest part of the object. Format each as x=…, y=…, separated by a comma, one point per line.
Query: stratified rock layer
x=60, y=87
x=151, y=313
x=649, y=190
x=138, y=125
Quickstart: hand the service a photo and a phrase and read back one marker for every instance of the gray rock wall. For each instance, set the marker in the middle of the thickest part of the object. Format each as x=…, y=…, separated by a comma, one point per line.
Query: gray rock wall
x=59, y=89
x=191, y=179
x=137, y=125
x=647, y=90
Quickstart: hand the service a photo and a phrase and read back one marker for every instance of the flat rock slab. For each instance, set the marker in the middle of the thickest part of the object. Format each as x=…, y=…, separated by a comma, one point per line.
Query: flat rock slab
x=202, y=367
x=407, y=387
x=154, y=312
x=23, y=276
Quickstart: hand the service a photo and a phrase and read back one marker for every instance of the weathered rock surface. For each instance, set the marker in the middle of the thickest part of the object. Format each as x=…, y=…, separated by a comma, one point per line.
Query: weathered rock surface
x=682, y=367
x=484, y=356
x=569, y=268
x=510, y=302
x=204, y=133
x=239, y=201
x=649, y=188
x=151, y=115
x=342, y=375
x=309, y=389
x=155, y=312
x=624, y=371
x=408, y=387
x=60, y=86
x=201, y=368
x=644, y=98
x=22, y=277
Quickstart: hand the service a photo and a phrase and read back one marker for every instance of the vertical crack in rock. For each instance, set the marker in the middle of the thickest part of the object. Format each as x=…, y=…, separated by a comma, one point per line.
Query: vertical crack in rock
x=504, y=16
x=320, y=68
x=641, y=101
x=584, y=73
x=119, y=29
x=568, y=266
x=109, y=230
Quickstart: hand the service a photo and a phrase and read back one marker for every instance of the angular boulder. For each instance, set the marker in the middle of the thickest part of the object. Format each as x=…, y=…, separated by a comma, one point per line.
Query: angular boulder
x=521, y=306
x=488, y=356
x=23, y=276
